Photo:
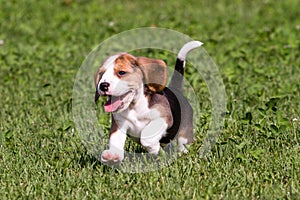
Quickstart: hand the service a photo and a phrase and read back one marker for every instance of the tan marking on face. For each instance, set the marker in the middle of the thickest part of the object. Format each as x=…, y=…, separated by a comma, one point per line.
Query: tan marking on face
x=124, y=63
x=127, y=63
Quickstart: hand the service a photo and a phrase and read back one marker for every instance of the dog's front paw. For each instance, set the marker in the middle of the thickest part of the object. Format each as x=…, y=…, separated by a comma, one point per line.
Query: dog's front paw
x=108, y=156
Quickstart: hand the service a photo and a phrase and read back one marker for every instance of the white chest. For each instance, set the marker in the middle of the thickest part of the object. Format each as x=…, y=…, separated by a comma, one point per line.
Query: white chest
x=133, y=121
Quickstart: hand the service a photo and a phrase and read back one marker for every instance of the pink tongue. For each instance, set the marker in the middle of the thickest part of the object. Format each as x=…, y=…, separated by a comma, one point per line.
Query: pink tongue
x=112, y=104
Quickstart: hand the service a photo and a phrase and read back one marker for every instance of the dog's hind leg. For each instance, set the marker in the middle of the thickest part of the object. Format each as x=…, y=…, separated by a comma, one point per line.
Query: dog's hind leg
x=184, y=138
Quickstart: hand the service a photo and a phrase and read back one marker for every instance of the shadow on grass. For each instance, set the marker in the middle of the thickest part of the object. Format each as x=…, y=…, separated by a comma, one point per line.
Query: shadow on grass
x=136, y=160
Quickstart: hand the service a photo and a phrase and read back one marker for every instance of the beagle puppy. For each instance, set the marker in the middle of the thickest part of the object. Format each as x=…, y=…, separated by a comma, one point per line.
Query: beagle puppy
x=142, y=106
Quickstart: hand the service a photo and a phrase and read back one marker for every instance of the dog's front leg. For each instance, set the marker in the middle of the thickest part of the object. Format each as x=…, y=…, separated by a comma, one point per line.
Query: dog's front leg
x=152, y=133
x=115, y=153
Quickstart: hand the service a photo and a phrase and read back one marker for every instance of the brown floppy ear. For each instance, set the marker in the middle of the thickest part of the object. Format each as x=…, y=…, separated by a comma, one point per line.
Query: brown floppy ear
x=155, y=73
x=97, y=78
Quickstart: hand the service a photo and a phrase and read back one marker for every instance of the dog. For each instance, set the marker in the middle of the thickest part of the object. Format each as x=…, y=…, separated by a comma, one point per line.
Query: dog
x=142, y=106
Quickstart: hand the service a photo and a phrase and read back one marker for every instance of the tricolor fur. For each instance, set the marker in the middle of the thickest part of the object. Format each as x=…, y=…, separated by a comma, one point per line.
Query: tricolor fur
x=141, y=104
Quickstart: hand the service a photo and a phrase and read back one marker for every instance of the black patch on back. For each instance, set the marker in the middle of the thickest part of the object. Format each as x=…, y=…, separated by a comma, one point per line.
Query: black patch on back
x=176, y=113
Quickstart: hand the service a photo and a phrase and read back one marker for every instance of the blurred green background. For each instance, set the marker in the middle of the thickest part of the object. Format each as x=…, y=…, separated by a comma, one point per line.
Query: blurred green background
x=256, y=46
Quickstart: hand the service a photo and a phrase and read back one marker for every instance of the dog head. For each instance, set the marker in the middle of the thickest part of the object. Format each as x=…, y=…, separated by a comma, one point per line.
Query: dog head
x=122, y=77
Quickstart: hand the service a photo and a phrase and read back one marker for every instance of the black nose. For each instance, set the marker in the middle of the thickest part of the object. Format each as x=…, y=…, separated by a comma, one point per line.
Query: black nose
x=104, y=86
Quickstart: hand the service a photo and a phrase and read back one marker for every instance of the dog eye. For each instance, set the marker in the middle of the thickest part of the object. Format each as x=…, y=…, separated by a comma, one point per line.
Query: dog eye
x=121, y=73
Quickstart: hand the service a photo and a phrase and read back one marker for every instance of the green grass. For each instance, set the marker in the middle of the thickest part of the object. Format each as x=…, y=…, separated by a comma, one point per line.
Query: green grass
x=256, y=45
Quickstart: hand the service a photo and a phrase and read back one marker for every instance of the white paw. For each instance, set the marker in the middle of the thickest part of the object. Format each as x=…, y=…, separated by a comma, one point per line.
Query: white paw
x=108, y=156
x=183, y=150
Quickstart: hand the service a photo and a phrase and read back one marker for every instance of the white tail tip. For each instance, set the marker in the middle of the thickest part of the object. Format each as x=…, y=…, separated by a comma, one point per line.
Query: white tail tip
x=187, y=48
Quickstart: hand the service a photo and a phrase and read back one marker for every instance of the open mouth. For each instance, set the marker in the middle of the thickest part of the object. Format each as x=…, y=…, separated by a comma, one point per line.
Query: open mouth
x=114, y=103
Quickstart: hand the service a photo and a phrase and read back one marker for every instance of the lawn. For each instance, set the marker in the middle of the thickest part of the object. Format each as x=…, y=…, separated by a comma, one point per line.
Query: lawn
x=256, y=46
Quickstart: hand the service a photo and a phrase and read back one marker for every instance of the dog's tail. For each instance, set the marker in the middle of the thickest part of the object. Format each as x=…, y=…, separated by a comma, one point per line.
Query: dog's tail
x=177, y=78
